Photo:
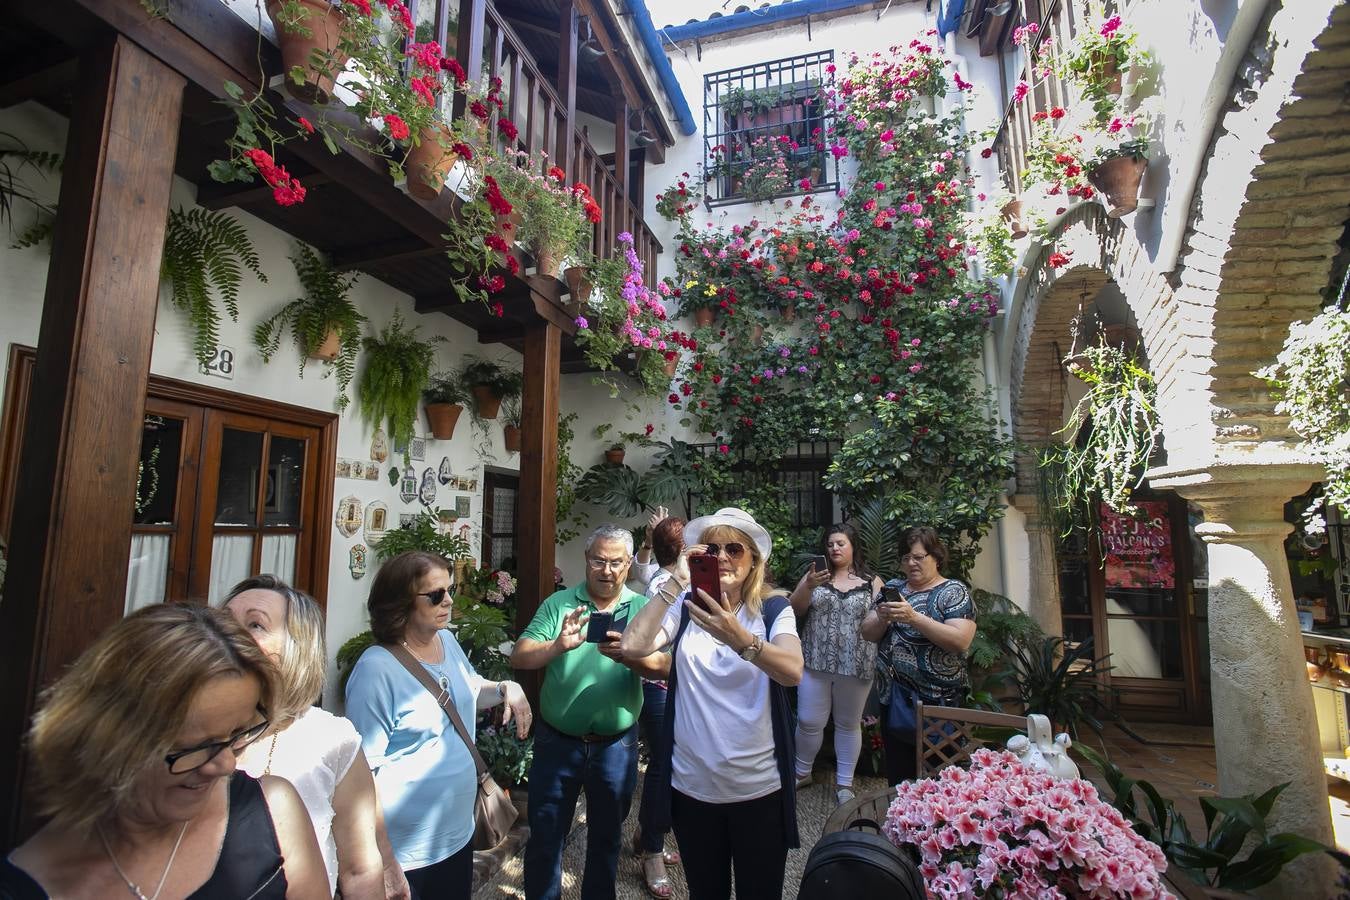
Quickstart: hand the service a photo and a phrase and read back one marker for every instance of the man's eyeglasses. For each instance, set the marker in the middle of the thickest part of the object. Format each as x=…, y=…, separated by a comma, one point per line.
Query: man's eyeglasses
x=606, y=564
x=911, y=558
x=436, y=597
x=183, y=761
x=735, y=550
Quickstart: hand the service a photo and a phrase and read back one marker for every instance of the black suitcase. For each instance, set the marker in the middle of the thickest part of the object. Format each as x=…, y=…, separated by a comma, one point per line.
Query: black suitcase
x=857, y=864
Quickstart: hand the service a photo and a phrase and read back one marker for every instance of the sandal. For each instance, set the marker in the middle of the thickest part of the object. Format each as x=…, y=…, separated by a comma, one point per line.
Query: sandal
x=669, y=857
x=658, y=885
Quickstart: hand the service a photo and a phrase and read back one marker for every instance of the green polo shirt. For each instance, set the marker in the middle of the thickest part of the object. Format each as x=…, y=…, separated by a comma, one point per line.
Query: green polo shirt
x=585, y=691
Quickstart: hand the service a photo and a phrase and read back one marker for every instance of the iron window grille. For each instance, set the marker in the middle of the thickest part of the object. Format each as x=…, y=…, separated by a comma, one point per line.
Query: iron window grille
x=799, y=475
x=756, y=118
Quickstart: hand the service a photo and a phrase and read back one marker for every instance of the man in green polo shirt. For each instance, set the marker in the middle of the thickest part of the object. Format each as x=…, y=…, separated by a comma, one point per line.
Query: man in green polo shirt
x=586, y=732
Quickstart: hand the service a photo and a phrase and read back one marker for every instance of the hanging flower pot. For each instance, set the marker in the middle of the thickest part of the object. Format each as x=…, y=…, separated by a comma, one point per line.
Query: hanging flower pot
x=1122, y=336
x=441, y=417
x=488, y=401
x=614, y=456
x=789, y=313
x=579, y=284
x=429, y=163
x=670, y=365
x=1109, y=76
x=546, y=263
x=703, y=316
x=330, y=347
x=509, y=224
x=511, y=437
x=324, y=23
x=1012, y=214
x=1118, y=178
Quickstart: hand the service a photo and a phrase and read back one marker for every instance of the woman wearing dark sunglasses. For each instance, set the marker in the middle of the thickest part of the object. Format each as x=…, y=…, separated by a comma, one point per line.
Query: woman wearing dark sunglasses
x=728, y=788
x=134, y=756
x=423, y=771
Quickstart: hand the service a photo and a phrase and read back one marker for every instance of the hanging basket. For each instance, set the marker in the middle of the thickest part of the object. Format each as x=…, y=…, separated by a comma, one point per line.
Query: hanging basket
x=330, y=347
x=1118, y=179
x=511, y=438
x=487, y=400
x=579, y=284
x=429, y=163
x=324, y=23
x=442, y=417
x=1012, y=214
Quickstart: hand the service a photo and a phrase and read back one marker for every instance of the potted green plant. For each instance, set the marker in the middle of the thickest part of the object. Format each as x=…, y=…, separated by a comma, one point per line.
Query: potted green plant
x=1098, y=59
x=444, y=400
x=489, y=384
x=614, y=453
x=398, y=369
x=1116, y=172
x=557, y=220
x=324, y=323
x=310, y=33
x=511, y=424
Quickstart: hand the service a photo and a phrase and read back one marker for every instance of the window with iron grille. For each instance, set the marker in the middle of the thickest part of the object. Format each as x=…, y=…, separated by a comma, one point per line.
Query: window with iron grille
x=764, y=130
x=799, y=474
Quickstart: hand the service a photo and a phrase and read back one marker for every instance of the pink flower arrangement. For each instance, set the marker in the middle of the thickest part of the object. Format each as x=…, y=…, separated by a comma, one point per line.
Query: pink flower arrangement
x=1001, y=829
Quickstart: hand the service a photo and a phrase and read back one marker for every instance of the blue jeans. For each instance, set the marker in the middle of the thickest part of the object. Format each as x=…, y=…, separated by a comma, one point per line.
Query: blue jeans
x=562, y=767
x=653, y=731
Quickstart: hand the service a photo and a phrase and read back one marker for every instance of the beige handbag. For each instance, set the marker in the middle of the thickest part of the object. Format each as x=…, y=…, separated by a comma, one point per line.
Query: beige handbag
x=493, y=811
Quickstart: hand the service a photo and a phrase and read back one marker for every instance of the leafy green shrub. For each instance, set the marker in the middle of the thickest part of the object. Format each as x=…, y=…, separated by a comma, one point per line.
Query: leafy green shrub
x=398, y=369
x=1058, y=681
x=422, y=533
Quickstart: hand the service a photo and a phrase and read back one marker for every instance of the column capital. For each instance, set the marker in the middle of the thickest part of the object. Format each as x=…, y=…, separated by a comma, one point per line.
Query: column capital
x=1241, y=501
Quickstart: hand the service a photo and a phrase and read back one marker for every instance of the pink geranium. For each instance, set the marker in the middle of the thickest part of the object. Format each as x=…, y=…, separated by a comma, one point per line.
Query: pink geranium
x=1001, y=829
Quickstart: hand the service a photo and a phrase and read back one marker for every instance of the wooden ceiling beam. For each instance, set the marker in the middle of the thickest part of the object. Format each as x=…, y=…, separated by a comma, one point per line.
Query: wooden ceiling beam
x=222, y=196
x=401, y=250
x=35, y=77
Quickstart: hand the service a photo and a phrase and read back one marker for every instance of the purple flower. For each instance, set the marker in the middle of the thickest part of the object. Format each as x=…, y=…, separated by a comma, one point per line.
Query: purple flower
x=625, y=237
x=784, y=352
x=582, y=323
x=802, y=370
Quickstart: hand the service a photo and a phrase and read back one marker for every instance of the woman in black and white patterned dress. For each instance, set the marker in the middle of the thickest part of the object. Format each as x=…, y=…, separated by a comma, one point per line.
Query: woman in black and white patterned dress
x=838, y=663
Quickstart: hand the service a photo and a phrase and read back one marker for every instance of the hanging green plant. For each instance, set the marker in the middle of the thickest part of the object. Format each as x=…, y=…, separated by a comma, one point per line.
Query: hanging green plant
x=205, y=254
x=1108, y=464
x=398, y=369
x=324, y=323
x=15, y=156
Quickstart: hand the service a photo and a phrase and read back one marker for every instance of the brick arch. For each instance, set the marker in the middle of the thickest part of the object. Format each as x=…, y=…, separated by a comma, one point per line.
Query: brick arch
x=1269, y=210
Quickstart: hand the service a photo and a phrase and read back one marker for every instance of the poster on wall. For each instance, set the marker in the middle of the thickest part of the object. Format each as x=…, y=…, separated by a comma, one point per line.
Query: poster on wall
x=1138, y=548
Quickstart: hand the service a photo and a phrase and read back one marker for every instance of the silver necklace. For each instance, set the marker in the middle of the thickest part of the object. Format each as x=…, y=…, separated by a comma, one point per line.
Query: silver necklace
x=442, y=680
x=131, y=885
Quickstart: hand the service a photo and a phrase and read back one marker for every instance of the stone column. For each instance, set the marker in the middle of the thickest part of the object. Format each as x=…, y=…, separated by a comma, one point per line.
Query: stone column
x=1265, y=728
x=1044, y=601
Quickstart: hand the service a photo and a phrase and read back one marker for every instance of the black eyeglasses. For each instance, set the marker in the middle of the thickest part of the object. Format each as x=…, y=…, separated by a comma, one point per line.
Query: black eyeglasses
x=436, y=597
x=183, y=761
x=735, y=550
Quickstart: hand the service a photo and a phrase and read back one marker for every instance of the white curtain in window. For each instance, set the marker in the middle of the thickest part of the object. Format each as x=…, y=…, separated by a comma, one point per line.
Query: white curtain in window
x=147, y=570
x=278, y=556
x=231, y=563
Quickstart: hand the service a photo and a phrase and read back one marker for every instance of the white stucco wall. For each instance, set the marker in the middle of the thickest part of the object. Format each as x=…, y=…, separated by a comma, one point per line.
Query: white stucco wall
x=22, y=283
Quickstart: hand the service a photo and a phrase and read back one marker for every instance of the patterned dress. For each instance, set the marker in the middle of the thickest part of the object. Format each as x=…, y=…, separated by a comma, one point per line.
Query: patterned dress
x=928, y=670
x=832, y=639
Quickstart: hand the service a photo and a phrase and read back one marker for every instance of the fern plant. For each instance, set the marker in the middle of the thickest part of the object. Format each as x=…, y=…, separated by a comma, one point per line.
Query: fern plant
x=878, y=538
x=324, y=308
x=205, y=253
x=398, y=369
x=15, y=157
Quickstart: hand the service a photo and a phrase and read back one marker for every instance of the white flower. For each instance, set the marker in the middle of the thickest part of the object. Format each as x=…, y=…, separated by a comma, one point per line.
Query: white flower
x=857, y=398
x=505, y=648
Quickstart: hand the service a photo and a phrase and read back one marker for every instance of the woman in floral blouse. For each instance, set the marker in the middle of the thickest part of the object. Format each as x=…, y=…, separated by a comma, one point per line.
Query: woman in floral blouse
x=838, y=662
x=923, y=630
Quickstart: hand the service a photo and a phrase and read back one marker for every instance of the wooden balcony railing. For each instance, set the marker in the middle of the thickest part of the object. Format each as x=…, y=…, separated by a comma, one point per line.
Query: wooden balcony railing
x=1062, y=22
x=488, y=45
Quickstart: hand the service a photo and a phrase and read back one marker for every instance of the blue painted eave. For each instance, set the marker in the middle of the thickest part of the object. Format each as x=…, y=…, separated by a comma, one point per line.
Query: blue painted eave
x=784, y=12
x=652, y=43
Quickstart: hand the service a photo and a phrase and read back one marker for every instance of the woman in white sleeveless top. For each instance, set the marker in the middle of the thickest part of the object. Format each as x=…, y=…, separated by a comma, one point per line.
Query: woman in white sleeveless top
x=316, y=751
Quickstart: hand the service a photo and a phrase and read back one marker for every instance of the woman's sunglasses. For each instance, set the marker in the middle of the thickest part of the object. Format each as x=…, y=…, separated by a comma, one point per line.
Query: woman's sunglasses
x=436, y=597
x=735, y=550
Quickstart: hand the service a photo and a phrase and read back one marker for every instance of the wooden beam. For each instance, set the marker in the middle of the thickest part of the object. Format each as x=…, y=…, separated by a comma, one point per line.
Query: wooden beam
x=67, y=580
x=400, y=250
x=33, y=78
x=223, y=196
x=537, y=503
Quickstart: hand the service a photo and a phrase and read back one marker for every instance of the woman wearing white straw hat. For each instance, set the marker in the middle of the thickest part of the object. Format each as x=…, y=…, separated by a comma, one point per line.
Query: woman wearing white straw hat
x=729, y=790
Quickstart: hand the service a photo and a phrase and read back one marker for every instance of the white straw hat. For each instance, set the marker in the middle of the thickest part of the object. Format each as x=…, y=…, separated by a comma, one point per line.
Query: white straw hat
x=736, y=518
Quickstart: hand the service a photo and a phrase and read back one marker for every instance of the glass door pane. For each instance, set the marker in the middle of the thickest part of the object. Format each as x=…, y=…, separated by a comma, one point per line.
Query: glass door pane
x=157, y=473
x=231, y=563
x=147, y=570
x=237, y=482
x=285, y=481
x=278, y=556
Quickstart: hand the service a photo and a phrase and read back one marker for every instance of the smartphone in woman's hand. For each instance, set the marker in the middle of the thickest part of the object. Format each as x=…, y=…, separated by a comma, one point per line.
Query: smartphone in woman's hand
x=703, y=575
x=820, y=563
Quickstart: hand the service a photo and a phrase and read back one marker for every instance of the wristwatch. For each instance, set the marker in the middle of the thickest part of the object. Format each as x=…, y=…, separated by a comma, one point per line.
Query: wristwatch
x=751, y=652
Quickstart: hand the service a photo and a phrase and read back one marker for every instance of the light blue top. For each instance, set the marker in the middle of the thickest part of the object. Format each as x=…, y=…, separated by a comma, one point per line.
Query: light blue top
x=423, y=771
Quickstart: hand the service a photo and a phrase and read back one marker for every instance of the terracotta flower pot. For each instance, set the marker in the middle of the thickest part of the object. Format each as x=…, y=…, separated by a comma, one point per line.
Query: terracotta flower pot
x=546, y=263
x=1012, y=214
x=579, y=284
x=441, y=417
x=704, y=316
x=789, y=313
x=614, y=456
x=1109, y=76
x=429, y=163
x=511, y=437
x=1118, y=179
x=1122, y=336
x=324, y=23
x=1078, y=365
x=329, y=349
x=488, y=401
x=508, y=224
x=670, y=365
x=757, y=334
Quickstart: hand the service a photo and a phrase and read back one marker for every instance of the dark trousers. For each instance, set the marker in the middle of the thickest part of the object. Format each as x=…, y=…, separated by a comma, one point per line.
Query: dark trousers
x=653, y=730
x=449, y=879
x=749, y=838
x=564, y=766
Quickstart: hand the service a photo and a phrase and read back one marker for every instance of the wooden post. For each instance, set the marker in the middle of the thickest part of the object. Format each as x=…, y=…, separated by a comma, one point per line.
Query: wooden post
x=621, y=112
x=537, y=526
x=469, y=49
x=567, y=85
x=68, y=561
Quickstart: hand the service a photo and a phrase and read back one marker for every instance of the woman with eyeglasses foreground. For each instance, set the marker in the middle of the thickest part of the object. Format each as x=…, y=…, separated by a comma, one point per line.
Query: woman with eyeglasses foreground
x=728, y=788
x=923, y=624
x=133, y=752
x=424, y=772
x=317, y=752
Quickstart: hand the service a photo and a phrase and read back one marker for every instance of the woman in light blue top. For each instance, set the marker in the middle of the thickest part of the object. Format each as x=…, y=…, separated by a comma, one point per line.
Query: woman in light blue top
x=423, y=771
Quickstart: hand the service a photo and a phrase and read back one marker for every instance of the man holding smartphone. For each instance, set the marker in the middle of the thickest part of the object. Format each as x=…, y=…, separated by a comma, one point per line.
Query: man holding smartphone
x=586, y=733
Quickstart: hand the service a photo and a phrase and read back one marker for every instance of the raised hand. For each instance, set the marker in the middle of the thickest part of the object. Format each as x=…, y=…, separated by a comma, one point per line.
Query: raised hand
x=573, y=633
x=812, y=579
x=659, y=515
x=721, y=623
